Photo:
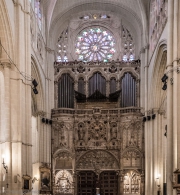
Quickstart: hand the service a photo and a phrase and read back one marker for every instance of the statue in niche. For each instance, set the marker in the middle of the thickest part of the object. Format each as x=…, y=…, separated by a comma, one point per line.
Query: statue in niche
x=81, y=132
x=132, y=142
x=113, y=132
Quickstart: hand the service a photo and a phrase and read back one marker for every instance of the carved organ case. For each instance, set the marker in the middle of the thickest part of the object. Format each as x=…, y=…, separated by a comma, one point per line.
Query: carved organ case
x=97, y=130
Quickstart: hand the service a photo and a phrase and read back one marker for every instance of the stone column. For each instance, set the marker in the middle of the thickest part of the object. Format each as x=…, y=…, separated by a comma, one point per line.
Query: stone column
x=144, y=56
x=121, y=182
x=86, y=88
x=170, y=98
x=175, y=84
x=56, y=93
x=6, y=132
x=107, y=88
x=138, y=92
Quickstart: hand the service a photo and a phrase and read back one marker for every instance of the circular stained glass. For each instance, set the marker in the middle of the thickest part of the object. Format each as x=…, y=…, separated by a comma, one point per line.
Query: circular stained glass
x=95, y=44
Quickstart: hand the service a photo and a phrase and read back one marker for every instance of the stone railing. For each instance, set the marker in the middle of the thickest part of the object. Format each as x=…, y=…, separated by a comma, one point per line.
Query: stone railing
x=68, y=111
x=73, y=64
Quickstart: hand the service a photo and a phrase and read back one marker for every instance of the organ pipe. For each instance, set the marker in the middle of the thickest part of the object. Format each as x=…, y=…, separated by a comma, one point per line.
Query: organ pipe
x=65, y=92
x=97, y=82
x=128, y=92
x=112, y=85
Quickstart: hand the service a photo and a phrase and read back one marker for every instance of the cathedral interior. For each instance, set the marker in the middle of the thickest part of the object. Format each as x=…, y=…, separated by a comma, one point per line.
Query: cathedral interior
x=89, y=97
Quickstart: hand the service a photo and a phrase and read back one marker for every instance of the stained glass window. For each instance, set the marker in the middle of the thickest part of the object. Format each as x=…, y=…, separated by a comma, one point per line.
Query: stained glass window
x=62, y=47
x=95, y=16
x=127, y=46
x=95, y=44
x=38, y=13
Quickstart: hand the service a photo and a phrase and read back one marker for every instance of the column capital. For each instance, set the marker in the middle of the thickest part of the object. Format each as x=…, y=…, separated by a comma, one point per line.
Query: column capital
x=40, y=113
x=5, y=63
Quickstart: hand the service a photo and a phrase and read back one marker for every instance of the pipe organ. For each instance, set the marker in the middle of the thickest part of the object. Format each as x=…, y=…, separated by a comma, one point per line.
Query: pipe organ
x=98, y=139
x=112, y=85
x=66, y=91
x=81, y=85
x=97, y=82
x=128, y=90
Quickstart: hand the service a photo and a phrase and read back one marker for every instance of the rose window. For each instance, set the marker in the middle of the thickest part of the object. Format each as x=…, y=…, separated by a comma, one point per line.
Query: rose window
x=95, y=44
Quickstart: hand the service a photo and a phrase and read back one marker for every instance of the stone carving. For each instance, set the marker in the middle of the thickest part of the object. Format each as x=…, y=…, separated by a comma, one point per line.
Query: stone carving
x=97, y=160
x=132, y=133
x=80, y=69
x=132, y=159
x=113, y=131
x=63, y=182
x=113, y=69
x=81, y=132
x=132, y=182
x=97, y=131
x=117, y=63
x=59, y=134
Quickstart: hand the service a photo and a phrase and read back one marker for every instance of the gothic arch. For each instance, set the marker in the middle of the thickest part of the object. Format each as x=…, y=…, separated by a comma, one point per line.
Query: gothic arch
x=113, y=76
x=65, y=72
x=37, y=100
x=132, y=149
x=158, y=72
x=64, y=151
x=128, y=70
x=132, y=158
x=97, y=159
x=81, y=75
x=97, y=70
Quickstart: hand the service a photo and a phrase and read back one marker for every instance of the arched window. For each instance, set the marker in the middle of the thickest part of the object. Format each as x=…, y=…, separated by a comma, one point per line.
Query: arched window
x=66, y=92
x=112, y=85
x=97, y=82
x=128, y=47
x=95, y=44
x=62, y=47
x=128, y=91
x=38, y=13
x=81, y=85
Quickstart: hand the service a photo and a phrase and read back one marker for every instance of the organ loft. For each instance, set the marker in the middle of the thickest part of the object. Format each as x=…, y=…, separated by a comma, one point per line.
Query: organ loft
x=98, y=137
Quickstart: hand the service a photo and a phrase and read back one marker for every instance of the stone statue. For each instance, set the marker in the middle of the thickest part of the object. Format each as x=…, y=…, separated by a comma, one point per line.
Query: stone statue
x=113, y=132
x=81, y=132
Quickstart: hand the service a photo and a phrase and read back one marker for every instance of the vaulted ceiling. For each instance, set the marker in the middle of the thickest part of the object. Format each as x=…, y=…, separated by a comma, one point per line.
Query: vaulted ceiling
x=59, y=12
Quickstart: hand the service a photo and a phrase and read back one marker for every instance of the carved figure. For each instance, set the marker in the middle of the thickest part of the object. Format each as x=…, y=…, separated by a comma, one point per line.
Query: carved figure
x=113, y=132
x=81, y=132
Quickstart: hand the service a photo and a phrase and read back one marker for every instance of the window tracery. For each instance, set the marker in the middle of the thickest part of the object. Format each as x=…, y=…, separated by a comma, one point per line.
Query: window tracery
x=94, y=16
x=38, y=13
x=128, y=47
x=158, y=18
x=62, y=47
x=132, y=183
x=95, y=44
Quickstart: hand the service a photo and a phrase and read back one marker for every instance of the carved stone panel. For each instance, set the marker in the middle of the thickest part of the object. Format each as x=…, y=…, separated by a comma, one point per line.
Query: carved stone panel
x=132, y=158
x=132, y=181
x=63, y=183
x=96, y=160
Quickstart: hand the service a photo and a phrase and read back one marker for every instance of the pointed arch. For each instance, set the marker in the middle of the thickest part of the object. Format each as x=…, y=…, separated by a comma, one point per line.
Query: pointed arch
x=158, y=72
x=37, y=100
